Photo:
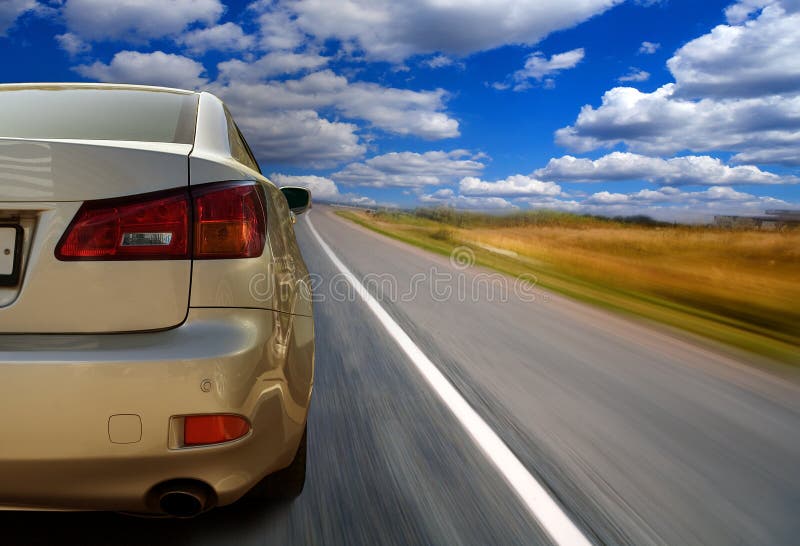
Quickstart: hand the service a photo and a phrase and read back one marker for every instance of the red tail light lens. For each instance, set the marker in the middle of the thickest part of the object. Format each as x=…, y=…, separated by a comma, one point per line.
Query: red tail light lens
x=151, y=226
x=229, y=221
x=213, y=429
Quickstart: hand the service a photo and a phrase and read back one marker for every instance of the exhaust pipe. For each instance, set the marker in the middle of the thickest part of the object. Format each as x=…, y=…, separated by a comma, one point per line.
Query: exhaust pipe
x=184, y=500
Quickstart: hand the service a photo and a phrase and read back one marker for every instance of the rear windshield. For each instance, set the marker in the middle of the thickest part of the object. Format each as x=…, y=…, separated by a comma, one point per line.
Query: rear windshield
x=98, y=114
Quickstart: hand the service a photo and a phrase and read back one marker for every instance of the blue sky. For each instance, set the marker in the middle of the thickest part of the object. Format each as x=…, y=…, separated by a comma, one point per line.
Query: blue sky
x=672, y=108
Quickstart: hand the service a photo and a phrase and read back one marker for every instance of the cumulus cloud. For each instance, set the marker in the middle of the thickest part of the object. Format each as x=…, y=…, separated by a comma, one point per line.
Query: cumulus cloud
x=759, y=57
x=666, y=203
x=72, y=44
x=440, y=61
x=299, y=137
x=157, y=68
x=737, y=89
x=538, y=66
x=635, y=75
x=410, y=169
x=399, y=111
x=322, y=189
x=739, y=12
x=687, y=170
x=672, y=204
x=278, y=29
x=225, y=37
x=393, y=31
x=660, y=123
x=778, y=155
x=447, y=197
x=11, y=9
x=272, y=64
x=517, y=185
x=648, y=48
x=137, y=21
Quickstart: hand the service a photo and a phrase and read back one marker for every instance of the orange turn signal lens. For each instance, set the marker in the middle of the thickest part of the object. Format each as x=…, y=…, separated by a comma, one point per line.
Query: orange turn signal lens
x=213, y=429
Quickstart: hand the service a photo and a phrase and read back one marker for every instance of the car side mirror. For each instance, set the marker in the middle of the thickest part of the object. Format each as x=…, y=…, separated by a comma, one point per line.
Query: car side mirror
x=299, y=199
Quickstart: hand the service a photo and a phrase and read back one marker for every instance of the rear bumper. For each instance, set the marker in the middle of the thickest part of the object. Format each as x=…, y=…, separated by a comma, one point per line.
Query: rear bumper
x=59, y=393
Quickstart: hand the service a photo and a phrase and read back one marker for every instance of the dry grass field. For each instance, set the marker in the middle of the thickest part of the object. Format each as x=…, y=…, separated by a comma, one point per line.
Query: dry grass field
x=739, y=287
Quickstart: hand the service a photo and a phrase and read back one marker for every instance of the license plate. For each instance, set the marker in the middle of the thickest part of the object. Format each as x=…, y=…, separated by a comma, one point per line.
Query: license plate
x=10, y=246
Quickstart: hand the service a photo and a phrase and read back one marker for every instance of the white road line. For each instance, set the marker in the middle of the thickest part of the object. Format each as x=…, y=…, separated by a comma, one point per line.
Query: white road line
x=536, y=499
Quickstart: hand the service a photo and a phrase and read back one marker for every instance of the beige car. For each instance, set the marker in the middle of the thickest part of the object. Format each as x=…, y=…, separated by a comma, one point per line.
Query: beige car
x=156, y=331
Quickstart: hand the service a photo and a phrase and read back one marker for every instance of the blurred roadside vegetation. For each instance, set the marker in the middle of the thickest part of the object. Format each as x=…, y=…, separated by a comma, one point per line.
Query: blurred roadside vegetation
x=739, y=287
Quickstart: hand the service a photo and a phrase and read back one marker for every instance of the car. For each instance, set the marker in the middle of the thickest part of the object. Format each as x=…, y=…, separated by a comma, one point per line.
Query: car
x=156, y=325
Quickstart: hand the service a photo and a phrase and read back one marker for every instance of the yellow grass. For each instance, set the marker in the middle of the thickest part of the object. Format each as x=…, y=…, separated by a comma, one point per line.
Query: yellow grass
x=739, y=287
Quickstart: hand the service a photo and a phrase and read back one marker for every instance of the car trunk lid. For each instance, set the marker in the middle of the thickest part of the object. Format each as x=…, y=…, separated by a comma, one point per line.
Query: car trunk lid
x=43, y=184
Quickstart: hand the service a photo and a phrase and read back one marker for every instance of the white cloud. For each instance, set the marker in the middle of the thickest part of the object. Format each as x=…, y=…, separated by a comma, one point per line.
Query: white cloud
x=687, y=170
x=410, y=169
x=549, y=203
x=757, y=58
x=446, y=197
x=137, y=20
x=538, y=66
x=648, y=48
x=157, y=68
x=10, y=10
x=666, y=203
x=278, y=27
x=299, y=137
x=635, y=75
x=225, y=37
x=399, y=111
x=660, y=123
x=272, y=64
x=740, y=11
x=72, y=44
x=440, y=61
x=776, y=155
x=517, y=185
x=393, y=31
x=737, y=90
x=322, y=189
x=672, y=204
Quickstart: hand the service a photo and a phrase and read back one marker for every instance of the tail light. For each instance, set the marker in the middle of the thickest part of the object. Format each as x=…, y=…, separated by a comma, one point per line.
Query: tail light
x=151, y=226
x=213, y=429
x=228, y=222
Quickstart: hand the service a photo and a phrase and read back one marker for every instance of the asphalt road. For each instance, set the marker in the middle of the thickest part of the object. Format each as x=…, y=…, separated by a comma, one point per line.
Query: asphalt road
x=643, y=436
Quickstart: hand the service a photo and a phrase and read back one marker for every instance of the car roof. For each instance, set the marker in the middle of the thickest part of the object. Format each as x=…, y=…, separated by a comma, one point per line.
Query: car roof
x=79, y=85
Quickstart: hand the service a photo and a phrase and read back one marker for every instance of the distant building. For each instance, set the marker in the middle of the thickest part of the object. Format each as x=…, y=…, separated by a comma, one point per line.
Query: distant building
x=772, y=219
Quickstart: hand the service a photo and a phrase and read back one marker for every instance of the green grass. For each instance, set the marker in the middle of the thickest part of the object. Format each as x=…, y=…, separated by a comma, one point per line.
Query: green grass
x=737, y=288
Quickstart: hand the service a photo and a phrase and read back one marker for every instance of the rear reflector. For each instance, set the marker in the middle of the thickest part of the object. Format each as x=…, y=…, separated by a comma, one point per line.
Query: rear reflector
x=213, y=429
x=152, y=226
x=229, y=222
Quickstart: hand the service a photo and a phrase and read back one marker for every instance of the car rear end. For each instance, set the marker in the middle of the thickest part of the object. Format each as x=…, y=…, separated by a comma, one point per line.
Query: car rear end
x=126, y=372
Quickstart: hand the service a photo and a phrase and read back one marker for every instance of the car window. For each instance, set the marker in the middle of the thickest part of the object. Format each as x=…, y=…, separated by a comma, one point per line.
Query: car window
x=239, y=148
x=98, y=114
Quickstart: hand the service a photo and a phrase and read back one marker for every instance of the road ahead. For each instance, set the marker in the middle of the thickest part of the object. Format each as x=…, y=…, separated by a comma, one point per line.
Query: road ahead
x=640, y=435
